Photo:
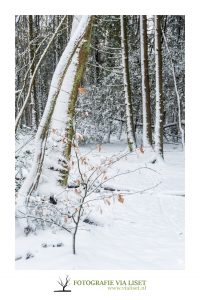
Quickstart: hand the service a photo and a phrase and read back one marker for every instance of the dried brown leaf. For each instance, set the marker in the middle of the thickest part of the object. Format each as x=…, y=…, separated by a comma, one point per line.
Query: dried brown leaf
x=120, y=198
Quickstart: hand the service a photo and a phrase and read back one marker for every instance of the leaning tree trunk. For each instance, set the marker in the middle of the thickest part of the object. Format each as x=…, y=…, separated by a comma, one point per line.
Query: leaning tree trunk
x=159, y=93
x=147, y=132
x=127, y=86
x=54, y=103
x=80, y=64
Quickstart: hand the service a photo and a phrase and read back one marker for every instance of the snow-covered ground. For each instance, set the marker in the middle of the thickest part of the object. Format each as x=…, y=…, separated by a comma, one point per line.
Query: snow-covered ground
x=146, y=231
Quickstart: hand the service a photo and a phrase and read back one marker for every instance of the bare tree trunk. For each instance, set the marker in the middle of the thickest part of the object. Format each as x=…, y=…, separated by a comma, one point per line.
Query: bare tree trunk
x=177, y=93
x=127, y=87
x=57, y=45
x=147, y=132
x=34, y=120
x=159, y=96
x=38, y=98
x=120, y=130
x=80, y=68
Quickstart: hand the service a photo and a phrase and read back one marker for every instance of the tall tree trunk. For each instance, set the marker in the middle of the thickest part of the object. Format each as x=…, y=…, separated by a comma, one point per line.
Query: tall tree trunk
x=147, y=132
x=81, y=60
x=57, y=44
x=127, y=87
x=34, y=120
x=159, y=93
x=37, y=93
x=176, y=90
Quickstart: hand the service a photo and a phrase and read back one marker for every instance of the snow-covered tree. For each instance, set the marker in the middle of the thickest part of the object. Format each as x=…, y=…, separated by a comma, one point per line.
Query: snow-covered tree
x=176, y=90
x=79, y=63
x=54, y=119
x=34, y=110
x=147, y=132
x=127, y=86
x=159, y=88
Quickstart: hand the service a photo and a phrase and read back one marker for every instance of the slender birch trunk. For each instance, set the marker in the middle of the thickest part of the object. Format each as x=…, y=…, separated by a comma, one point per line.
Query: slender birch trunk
x=147, y=132
x=159, y=93
x=127, y=87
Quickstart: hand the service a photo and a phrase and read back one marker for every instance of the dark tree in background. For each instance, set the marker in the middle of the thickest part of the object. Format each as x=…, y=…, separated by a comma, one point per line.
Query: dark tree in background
x=146, y=99
x=159, y=89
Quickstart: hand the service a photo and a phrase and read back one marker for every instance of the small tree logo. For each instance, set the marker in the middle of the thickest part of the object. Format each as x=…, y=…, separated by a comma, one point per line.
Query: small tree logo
x=64, y=284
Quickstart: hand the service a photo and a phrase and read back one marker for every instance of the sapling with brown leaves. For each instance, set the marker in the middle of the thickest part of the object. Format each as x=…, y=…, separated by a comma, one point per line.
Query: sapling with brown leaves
x=93, y=187
x=71, y=209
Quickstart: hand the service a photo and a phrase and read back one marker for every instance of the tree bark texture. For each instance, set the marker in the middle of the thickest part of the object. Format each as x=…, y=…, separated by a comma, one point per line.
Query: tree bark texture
x=81, y=64
x=159, y=92
x=147, y=132
x=127, y=87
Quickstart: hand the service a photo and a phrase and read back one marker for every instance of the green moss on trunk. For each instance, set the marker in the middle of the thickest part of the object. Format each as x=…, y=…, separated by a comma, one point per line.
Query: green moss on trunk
x=82, y=59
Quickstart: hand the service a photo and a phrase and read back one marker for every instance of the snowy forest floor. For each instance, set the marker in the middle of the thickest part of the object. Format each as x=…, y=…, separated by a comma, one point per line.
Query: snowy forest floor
x=146, y=231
